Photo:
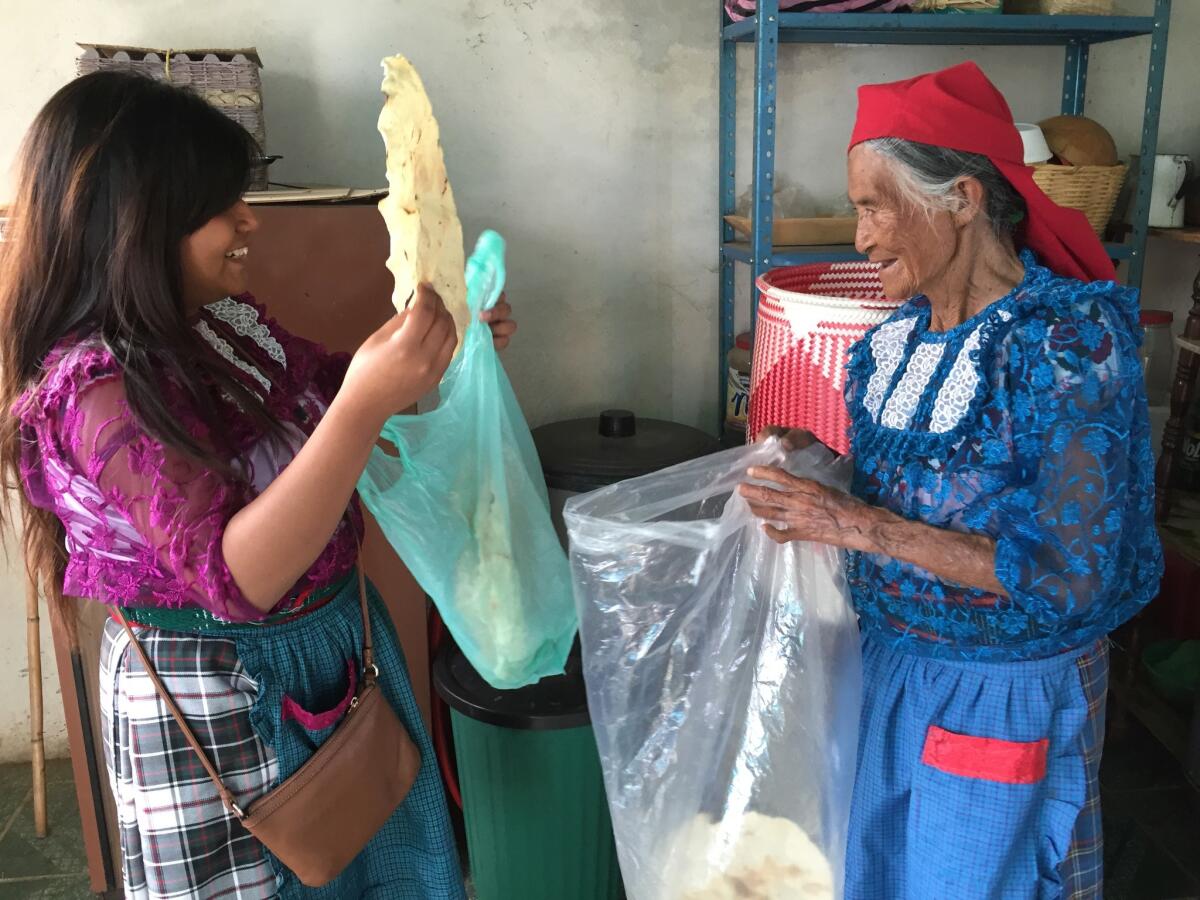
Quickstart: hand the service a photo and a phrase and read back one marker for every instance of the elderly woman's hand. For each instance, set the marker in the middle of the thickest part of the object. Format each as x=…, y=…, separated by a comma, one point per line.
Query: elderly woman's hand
x=500, y=321
x=792, y=438
x=798, y=509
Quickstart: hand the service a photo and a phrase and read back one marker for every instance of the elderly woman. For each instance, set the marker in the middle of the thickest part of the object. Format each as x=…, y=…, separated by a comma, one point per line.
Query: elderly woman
x=1001, y=517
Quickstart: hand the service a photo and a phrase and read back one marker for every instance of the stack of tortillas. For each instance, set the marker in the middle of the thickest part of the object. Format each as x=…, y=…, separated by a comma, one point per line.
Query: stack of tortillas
x=426, y=236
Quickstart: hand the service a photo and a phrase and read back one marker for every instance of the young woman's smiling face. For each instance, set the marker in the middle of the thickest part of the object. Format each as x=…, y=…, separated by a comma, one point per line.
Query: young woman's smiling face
x=213, y=257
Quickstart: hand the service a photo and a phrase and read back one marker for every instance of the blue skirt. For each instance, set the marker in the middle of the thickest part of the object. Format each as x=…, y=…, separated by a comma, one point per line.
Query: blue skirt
x=261, y=699
x=302, y=669
x=978, y=780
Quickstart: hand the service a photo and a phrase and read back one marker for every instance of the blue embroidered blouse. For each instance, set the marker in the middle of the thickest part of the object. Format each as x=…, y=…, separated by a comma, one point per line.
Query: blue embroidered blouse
x=1027, y=423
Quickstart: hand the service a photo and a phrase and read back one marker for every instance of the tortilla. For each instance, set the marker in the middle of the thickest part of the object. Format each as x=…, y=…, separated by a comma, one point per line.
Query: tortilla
x=750, y=857
x=422, y=222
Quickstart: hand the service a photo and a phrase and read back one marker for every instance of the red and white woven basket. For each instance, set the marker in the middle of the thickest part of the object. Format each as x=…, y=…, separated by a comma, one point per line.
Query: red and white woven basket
x=808, y=317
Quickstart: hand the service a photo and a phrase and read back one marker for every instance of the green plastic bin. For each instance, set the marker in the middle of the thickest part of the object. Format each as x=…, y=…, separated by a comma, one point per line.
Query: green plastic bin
x=533, y=797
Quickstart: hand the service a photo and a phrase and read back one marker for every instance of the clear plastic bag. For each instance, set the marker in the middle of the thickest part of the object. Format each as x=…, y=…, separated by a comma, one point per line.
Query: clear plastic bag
x=465, y=506
x=724, y=681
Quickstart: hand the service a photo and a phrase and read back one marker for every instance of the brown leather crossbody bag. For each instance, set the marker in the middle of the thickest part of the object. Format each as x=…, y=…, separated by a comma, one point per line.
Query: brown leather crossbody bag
x=321, y=817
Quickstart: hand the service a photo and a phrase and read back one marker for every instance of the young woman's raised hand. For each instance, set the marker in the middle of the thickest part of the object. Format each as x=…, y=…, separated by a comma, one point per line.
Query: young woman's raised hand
x=404, y=360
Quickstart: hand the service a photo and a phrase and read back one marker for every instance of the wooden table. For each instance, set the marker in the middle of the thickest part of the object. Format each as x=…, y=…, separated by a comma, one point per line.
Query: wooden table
x=1184, y=235
x=1185, y=382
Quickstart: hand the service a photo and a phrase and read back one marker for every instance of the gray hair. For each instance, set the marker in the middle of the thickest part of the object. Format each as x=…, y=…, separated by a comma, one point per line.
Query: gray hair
x=927, y=175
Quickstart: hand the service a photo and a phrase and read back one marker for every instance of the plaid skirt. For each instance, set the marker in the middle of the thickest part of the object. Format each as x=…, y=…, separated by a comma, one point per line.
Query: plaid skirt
x=978, y=780
x=261, y=699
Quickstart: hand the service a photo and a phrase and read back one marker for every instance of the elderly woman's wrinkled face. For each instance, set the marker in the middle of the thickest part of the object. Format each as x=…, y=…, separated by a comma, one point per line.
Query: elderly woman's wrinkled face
x=913, y=246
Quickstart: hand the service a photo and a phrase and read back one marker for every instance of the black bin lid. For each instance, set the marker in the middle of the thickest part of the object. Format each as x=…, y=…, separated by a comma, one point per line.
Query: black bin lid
x=585, y=454
x=559, y=701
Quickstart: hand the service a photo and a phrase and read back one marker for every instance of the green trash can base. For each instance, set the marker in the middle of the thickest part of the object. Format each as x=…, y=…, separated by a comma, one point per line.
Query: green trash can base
x=536, y=814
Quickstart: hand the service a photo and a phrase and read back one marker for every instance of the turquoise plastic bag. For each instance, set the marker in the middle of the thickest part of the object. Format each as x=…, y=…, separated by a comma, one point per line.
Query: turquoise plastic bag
x=465, y=506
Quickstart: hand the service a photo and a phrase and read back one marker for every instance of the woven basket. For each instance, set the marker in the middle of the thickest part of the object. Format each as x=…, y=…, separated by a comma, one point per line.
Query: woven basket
x=1061, y=7
x=808, y=317
x=229, y=80
x=1093, y=190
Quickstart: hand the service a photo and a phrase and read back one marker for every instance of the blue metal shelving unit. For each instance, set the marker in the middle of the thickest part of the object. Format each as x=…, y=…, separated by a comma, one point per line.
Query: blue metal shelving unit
x=769, y=28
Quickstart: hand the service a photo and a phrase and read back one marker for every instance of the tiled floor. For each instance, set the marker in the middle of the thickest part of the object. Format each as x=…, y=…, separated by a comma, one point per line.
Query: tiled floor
x=1151, y=822
x=1152, y=830
x=33, y=868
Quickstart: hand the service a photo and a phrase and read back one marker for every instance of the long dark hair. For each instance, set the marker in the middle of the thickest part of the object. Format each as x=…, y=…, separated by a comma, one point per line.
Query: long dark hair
x=116, y=170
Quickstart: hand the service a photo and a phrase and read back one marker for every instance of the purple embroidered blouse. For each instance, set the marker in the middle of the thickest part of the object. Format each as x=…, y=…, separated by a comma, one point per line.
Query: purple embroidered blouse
x=144, y=522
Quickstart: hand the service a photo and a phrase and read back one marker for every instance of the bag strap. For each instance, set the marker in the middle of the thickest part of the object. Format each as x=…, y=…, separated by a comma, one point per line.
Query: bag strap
x=370, y=675
x=370, y=670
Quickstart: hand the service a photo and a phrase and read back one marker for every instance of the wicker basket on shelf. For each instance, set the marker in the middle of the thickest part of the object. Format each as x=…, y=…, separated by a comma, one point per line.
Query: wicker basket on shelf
x=229, y=80
x=958, y=6
x=1092, y=190
x=1061, y=7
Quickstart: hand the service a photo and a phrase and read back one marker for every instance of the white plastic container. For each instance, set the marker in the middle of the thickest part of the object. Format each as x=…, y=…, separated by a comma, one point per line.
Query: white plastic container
x=1036, y=149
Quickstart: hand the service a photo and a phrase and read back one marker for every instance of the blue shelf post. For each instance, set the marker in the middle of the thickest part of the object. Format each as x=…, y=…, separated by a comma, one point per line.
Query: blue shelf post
x=727, y=202
x=1075, y=78
x=766, y=55
x=1154, y=86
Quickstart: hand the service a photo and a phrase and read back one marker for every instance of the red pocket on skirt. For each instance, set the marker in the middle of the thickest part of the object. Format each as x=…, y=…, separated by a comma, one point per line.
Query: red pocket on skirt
x=1006, y=762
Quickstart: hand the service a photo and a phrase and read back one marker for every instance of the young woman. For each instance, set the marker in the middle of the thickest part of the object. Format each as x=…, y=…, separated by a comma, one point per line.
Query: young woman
x=184, y=458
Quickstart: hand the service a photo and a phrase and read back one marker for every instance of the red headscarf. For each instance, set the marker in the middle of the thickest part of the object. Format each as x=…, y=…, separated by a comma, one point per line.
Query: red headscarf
x=960, y=109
